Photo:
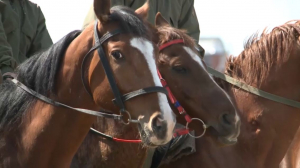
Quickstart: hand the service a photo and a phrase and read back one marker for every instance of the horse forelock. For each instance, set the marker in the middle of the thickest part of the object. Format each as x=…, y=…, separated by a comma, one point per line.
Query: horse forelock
x=264, y=52
x=129, y=21
x=168, y=33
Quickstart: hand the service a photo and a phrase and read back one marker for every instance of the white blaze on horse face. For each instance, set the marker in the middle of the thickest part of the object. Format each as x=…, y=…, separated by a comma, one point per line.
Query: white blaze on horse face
x=198, y=60
x=194, y=56
x=147, y=49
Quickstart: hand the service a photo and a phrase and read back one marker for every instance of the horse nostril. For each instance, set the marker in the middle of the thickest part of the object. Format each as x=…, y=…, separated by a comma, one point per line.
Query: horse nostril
x=157, y=123
x=227, y=119
x=159, y=127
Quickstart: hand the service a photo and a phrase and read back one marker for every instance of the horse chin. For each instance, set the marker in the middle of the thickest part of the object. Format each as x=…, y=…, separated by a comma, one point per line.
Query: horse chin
x=222, y=140
x=231, y=139
x=227, y=141
x=146, y=137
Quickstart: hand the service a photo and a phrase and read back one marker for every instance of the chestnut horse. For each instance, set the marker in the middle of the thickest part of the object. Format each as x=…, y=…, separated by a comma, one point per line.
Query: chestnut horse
x=270, y=63
x=292, y=157
x=37, y=131
x=190, y=83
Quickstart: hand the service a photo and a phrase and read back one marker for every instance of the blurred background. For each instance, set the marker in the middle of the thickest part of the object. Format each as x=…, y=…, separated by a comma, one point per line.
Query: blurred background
x=224, y=24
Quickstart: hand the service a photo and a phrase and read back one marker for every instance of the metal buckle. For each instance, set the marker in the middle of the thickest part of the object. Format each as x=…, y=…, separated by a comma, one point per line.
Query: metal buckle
x=122, y=117
x=204, y=127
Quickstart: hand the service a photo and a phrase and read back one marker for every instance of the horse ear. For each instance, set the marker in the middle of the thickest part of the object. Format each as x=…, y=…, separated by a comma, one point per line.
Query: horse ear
x=160, y=20
x=143, y=10
x=102, y=9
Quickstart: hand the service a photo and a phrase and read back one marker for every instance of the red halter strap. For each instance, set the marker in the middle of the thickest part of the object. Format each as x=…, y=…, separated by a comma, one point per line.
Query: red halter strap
x=172, y=98
x=180, y=109
x=177, y=41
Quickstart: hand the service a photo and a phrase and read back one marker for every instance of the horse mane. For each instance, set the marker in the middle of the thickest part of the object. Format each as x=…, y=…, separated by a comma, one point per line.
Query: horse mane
x=168, y=33
x=262, y=52
x=37, y=73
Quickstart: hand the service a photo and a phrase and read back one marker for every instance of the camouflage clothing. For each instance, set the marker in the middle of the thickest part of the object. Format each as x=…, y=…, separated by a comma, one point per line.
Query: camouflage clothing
x=179, y=13
x=23, y=32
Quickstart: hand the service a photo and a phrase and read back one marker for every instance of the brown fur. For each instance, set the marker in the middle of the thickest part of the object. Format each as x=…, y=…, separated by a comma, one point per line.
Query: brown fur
x=192, y=92
x=270, y=63
x=168, y=33
x=291, y=159
x=49, y=136
x=263, y=52
x=194, y=97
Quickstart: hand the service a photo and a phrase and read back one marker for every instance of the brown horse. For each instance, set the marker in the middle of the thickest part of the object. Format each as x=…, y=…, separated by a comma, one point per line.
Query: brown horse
x=189, y=81
x=271, y=63
x=292, y=157
x=47, y=133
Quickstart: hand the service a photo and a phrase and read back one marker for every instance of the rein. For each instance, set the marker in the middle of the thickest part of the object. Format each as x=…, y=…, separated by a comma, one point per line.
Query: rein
x=119, y=99
x=173, y=100
x=254, y=90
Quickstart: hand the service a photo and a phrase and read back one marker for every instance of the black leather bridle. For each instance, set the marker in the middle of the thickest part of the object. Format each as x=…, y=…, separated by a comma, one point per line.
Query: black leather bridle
x=119, y=99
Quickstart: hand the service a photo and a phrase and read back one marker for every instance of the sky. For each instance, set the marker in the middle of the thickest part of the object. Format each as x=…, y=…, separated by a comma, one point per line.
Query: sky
x=234, y=21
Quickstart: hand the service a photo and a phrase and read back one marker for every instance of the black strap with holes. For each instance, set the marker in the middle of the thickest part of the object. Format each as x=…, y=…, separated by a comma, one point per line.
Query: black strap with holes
x=119, y=99
x=106, y=66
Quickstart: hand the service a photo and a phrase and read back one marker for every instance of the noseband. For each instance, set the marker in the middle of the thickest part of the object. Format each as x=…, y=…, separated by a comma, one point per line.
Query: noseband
x=119, y=99
x=177, y=132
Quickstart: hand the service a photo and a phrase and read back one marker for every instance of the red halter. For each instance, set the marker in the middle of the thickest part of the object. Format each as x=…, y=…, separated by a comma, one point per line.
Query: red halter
x=177, y=41
x=172, y=98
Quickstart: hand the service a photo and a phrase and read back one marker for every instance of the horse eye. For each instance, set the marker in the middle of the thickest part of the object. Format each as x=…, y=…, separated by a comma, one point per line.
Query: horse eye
x=179, y=69
x=117, y=55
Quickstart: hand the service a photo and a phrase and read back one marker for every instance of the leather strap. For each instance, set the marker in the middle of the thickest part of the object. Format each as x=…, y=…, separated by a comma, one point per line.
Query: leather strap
x=93, y=131
x=142, y=92
x=254, y=90
x=104, y=61
x=102, y=113
x=106, y=66
x=83, y=72
x=119, y=99
x=173, y=100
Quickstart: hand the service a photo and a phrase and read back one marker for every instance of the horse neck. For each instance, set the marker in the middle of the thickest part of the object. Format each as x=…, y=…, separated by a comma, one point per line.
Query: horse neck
x=268, y=127
x=96, y=150
x=51, y=135
x=291, y=157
